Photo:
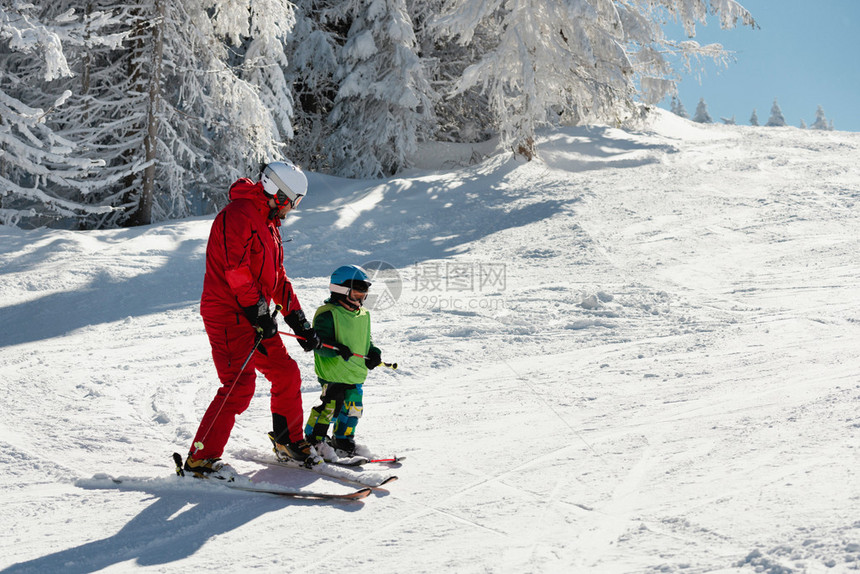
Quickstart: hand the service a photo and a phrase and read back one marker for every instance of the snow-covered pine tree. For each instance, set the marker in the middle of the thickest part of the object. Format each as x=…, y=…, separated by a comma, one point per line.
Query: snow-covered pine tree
x=463, y=116
x=678, y=108
x=802, y=124
x=754, y=118
x=776, y=118
x=702, y=116
x=384, y=102
x=729, y=121
x=820, y=122
x=569, y=61
x=313, y=46
x=39, y=168
x=175, y=114
x=548, y=55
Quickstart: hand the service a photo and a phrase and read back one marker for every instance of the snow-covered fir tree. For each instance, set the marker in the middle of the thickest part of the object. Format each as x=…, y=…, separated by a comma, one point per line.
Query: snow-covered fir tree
x=313, y=47
x=729, y=121
x=802, y=124
x=820, y=122
x=194, y=97
x=776, y=118
x=384, y=102
x=702, y=116
x=42, y=173
x=754, y=118
x=465, y=115
x=571, y=61
x=677, y=108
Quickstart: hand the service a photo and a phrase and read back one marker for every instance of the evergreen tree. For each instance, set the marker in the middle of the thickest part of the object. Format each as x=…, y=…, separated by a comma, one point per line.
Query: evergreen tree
x=384, y=102
x=754, y=118
x=702, y=116
x=678, y=108
x=465, y=115
x=776, y=118
x=820, y=122
x=177, y=112
x=570, y=61
x=729, y=121
x=39, y=168
x=313, y=46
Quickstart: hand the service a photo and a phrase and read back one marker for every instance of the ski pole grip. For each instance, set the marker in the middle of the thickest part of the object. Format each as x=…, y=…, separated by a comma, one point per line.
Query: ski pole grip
x=274, y=318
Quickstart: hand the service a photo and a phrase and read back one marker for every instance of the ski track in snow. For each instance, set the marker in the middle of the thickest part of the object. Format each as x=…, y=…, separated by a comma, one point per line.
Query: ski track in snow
x=667, y=379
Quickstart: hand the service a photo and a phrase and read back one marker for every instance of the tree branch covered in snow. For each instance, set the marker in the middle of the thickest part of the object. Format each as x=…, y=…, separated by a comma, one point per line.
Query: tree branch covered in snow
x=39, y=167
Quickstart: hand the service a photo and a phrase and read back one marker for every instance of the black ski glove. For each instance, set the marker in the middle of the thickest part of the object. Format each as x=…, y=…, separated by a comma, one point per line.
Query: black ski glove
x=260, y=318
x=343, y=351
x=374, y=358
x=301, y=327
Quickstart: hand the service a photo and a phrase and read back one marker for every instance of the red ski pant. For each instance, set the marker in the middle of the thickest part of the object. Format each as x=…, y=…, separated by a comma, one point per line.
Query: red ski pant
x=231, y=345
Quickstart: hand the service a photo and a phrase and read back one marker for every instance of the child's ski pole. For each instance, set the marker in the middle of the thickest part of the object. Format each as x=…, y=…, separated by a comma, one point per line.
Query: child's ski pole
x=389, y=365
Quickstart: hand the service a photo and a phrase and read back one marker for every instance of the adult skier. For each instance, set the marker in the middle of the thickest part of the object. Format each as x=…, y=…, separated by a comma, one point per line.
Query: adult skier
x=244, y=274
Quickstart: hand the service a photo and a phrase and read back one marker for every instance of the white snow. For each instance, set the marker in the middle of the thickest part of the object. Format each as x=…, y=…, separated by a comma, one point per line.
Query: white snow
x=640, y=353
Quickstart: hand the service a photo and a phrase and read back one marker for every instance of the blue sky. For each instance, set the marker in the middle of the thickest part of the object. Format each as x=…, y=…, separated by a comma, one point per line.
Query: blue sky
x=804, y=54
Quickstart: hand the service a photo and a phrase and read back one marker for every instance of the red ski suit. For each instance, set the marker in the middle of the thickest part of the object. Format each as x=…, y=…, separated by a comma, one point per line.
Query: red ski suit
x=244, y=260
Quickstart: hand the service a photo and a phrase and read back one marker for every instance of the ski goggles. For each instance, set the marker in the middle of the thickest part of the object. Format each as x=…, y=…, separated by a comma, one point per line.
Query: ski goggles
x=282, y=199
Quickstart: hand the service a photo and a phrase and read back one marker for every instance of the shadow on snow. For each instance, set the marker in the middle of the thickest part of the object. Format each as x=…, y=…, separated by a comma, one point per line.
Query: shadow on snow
x=172, y=528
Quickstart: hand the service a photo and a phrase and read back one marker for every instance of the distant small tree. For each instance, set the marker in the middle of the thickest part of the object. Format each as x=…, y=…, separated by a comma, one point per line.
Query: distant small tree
x=820, y=122
x=702, y=116
x=754, y=118
x=776, y=119
x=802, y=125
x=729, y=121
x=678, y=108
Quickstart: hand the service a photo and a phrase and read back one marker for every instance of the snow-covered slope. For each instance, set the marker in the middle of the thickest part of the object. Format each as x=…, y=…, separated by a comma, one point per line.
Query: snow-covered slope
x=637, y=354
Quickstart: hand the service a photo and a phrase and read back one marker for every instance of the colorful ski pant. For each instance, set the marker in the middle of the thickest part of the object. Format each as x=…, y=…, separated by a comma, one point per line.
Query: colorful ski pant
x=339, y=403
x=231, y=344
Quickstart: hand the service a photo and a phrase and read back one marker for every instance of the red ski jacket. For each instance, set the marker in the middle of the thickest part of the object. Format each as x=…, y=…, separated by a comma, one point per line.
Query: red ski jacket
x=244, y=258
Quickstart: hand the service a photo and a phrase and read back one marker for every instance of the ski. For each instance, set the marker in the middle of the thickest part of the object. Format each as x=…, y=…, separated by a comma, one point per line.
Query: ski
x=247, y=485
x=169, y=484
x=354, y=495
x=333, y=456
x=360, y=460
x=353, y=475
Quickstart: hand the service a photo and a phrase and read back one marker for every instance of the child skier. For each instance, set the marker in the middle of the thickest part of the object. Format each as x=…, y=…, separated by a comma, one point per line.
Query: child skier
x=343, y=323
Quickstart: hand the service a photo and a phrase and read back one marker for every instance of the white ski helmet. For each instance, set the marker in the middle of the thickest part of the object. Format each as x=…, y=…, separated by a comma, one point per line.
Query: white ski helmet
x=284, y=182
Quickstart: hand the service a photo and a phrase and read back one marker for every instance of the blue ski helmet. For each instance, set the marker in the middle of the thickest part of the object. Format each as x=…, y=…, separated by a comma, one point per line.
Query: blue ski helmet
x=346, y=277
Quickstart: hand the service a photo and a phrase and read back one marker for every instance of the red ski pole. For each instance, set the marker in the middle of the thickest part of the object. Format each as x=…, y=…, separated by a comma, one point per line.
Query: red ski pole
x=332, y=347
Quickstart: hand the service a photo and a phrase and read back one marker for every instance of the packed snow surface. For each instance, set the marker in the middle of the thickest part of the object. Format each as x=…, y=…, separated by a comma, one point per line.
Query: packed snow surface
x=639, y=353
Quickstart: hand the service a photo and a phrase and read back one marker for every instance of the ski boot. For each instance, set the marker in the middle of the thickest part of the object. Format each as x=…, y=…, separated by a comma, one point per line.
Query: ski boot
x=210, y=468
x=301, y=452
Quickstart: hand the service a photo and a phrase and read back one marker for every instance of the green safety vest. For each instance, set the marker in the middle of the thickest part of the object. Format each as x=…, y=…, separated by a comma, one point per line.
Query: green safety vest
x=351, y=328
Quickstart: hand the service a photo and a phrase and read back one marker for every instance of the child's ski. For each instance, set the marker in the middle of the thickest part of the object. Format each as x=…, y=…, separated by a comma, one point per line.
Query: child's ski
x=251, y=487
x=360, y=460
x=354, y=475
x=335, y=456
